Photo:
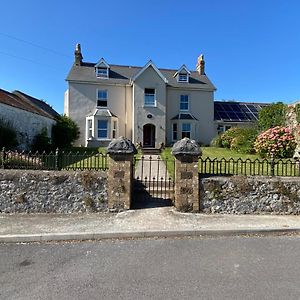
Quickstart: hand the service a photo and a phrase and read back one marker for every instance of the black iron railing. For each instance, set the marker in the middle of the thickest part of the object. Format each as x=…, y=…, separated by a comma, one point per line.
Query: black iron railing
x=260, y=167
x=54, y=160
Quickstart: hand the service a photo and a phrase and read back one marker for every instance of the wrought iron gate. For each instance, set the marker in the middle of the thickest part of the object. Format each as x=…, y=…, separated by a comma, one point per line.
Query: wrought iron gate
x=154, y=178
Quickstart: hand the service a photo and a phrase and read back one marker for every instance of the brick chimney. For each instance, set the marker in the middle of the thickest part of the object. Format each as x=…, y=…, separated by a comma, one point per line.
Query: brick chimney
x=200, y=67
x=78, y=55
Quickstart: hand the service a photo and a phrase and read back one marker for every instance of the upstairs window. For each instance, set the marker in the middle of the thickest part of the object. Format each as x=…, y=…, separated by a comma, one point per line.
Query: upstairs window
x=102, y=98
x=102, y=72
x=183, y=77
x=186, y=130
x=149, y=97
x=184, y=102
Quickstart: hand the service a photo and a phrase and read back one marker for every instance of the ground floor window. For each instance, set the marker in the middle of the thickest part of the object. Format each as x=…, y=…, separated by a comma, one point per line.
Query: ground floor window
x=175, y=136
x=186, y=130
x=114, y=129
x=102, y=129
x=89, y=129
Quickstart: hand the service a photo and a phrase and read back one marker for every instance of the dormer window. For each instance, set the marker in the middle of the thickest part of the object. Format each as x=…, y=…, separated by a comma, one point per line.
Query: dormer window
x=102, y=72
x=183, y=78
x=102, y=69
x=182, y=74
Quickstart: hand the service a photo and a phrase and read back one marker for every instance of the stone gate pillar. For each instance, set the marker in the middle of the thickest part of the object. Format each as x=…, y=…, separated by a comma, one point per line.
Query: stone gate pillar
x=187, y=194
x=120, y=173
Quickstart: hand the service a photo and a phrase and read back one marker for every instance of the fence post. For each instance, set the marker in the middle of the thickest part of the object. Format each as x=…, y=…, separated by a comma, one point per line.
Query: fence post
x=57, y=160
x=120, y=173
x=272, y=164
x=2, y=157
x=187, y=192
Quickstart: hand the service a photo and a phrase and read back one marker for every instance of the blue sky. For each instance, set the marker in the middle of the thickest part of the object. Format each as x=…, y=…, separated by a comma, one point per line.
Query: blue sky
x=251, y=47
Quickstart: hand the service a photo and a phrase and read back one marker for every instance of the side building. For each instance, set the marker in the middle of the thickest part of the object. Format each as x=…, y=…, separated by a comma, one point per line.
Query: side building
x=27, y=115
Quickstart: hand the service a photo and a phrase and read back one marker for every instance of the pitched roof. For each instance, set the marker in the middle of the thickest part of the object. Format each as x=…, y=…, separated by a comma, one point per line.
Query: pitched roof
x=184, y=116
x=231, y=111
x=15, y=100
x=124, y=74
x=38, y=103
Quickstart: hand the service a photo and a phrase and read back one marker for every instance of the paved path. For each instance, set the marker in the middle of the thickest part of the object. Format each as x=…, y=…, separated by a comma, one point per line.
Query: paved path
x=161, y=221
x=152, y=166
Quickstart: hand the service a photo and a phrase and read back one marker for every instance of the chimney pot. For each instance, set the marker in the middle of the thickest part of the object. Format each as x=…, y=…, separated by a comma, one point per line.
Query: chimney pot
x=78, y=55
x=200, y=67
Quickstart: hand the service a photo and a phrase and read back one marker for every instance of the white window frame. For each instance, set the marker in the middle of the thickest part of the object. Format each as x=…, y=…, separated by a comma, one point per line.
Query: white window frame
x=107, y=130
x=101, y=74
x=188, y=102
x=88, y=129
x=150, y=105
x=182, y=131
x=98, y=99
x=183, y=74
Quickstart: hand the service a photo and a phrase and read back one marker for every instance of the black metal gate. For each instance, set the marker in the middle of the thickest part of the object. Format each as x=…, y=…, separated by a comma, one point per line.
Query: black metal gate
x=153, y=181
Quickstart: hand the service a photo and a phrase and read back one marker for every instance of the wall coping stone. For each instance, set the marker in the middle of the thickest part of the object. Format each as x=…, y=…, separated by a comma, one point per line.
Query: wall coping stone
x=121, y=146
x=186, y=147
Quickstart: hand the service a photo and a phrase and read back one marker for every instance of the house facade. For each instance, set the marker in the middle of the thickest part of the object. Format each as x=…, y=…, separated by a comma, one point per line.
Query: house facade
x=149, y=105
x=27, y=115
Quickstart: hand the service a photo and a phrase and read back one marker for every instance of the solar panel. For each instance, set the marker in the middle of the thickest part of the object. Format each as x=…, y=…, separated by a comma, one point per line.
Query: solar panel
x=237, y=112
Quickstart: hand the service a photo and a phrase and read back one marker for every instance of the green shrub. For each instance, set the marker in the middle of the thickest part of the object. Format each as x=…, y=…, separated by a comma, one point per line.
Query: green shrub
x=8, y=135
x=277, y=141
x=243, y=142
x=216, y=141
x=229, y=135
x=240, y=139
x=41, y=142
x=64, y=132
x=297, y=110
x=272, y=115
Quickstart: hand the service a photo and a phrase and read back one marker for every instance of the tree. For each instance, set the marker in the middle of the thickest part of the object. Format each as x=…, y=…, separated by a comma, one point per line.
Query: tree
x=41, y=142
x=8, y=135
x=271, y=116
x=64, y=132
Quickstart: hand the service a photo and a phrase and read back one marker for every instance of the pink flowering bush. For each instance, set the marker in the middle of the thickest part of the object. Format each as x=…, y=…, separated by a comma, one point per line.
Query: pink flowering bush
x=277, y=141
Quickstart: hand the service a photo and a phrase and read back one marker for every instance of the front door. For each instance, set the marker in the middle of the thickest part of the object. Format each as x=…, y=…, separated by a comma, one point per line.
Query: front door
x=149, y=136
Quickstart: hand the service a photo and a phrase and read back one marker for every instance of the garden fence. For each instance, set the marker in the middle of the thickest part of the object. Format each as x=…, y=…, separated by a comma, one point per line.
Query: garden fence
x=54, y=160
x=256, y=167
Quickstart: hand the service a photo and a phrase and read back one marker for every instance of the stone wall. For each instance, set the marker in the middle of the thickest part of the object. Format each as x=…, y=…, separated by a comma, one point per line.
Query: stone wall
x=250, y=195
x=26, y=124
x=52, y=191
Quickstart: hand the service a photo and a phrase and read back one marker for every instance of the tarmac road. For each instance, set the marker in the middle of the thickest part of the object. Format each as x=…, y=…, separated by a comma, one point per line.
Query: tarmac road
x=202, y=268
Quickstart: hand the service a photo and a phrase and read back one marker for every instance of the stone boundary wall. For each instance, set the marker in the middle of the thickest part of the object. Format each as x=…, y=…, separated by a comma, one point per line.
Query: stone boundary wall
x=250, y=195
x=24, y=191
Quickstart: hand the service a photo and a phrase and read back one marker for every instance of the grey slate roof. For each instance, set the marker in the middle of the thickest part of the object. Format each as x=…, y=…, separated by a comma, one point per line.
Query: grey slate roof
x=123, y=74
x=38, y=103
x=184, y=116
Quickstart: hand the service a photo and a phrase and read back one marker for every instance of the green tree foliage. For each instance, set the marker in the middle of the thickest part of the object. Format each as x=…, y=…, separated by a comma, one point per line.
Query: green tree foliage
x=64, y=132
x=240, y=139
x=297, y=110
x=271, y=116
x=41, y=142
x=8, y=135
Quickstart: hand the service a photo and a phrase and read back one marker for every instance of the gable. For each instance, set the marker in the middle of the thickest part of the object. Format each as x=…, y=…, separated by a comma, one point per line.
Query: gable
x=150, y=64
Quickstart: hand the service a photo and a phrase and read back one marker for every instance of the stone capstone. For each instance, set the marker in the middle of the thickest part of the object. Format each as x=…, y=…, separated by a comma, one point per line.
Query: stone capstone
x=186, y=147
x=121, y=145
